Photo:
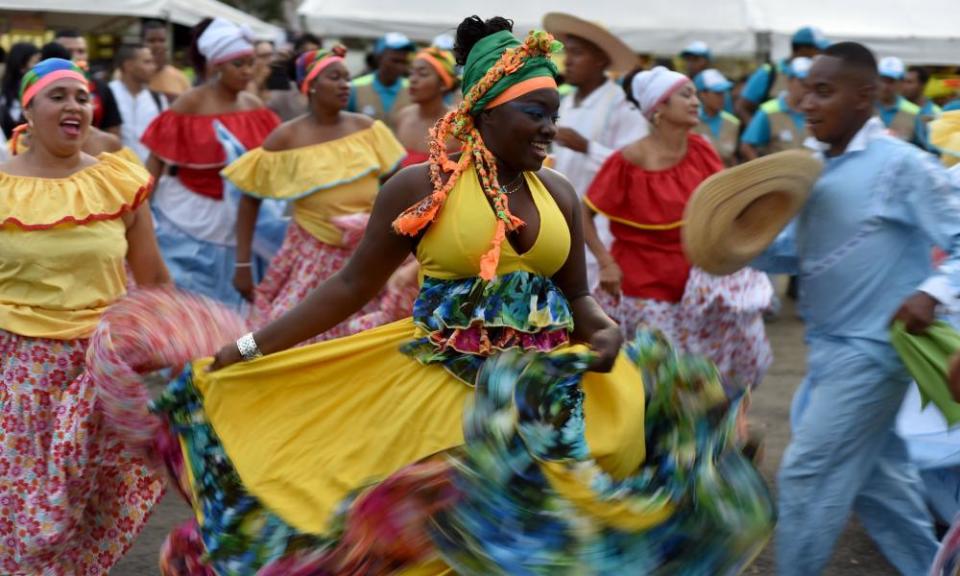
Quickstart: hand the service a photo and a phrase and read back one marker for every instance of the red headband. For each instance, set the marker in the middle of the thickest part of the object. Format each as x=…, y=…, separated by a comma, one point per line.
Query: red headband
x=317, y=69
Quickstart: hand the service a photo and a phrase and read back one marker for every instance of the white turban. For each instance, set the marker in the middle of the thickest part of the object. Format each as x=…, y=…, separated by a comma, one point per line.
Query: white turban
x=652, y=87
x=223, y=40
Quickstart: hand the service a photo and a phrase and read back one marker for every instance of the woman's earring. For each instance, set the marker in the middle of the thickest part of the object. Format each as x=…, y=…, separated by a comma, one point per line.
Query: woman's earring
x=656, y=119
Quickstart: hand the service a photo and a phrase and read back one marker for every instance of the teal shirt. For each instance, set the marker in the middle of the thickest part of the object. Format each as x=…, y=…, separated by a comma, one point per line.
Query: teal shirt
x=388, y=94
x=756, y=89
x=758, y=131
x=888, y=113
x=715, y=122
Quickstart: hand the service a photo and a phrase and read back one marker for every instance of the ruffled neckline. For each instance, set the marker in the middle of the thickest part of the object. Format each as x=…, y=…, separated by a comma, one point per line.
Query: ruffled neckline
x=104, y=191
x=190, y=140
x=697, y=150
x=316, y=167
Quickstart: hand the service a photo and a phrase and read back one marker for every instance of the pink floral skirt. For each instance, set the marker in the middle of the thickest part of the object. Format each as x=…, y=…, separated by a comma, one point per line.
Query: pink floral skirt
x=720, y=317
x=301, y=265
x=72, y=497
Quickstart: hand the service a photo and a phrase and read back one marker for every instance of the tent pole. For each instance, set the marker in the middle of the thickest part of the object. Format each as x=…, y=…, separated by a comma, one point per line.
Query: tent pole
x=764, y=46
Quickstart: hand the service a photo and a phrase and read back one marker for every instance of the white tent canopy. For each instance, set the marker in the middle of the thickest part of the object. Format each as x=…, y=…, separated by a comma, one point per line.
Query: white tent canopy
x=916, y=30
x=184, y=12
x=653, y=26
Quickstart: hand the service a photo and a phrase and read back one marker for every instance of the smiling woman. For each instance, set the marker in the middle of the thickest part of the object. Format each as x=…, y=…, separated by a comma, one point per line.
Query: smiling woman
x=190, y=143
x=329, y=163
x=502, y=417
x=645, y=278
x=74, y=496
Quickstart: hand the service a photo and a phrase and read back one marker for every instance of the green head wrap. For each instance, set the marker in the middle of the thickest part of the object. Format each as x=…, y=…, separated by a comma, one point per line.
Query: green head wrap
x=487, y=53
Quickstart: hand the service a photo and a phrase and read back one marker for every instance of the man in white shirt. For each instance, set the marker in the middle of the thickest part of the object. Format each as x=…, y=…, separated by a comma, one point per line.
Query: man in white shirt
x=138, y=105
x=596, y=119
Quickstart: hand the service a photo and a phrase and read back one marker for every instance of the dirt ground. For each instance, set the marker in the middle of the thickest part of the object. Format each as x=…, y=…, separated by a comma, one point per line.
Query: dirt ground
x=855, y=554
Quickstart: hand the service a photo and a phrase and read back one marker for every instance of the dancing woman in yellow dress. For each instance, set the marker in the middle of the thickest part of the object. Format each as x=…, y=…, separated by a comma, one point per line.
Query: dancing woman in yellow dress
x=500, y=430
x=72, y=496
x=329, y=163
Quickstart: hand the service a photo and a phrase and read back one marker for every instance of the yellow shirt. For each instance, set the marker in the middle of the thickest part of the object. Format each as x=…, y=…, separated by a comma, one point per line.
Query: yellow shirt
x=63, y=245
x=453, y=245
x=326, y=180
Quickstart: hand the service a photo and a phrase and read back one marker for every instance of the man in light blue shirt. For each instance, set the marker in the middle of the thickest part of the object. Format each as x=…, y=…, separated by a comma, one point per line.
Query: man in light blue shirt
x=862, y=246
x=769, y=80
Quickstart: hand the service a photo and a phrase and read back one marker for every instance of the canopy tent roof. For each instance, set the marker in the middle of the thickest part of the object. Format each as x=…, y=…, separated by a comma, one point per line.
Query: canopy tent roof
x=922, y=31
x=652, y=26
x=917, y=31
x=88, y=14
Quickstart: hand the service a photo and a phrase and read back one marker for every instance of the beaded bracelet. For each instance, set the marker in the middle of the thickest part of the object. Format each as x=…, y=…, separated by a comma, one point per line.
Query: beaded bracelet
x=248, y=347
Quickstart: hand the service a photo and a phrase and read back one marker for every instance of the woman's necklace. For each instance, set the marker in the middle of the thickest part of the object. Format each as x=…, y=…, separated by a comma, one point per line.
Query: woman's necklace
x=515, y=185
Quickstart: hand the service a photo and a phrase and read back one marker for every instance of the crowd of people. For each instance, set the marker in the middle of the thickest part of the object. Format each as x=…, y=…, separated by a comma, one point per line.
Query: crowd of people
x=472, y=337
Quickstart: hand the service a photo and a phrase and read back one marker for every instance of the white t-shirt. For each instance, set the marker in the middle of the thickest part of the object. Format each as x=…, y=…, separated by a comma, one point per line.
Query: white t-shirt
x=137, y=112
x=609, y=122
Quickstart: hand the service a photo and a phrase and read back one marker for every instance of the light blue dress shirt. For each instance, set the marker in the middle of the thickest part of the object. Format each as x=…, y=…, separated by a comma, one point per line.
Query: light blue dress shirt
x=863, y=242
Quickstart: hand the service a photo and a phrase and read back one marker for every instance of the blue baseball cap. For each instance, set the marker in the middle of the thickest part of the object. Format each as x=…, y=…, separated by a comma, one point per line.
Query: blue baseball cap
x=697, y=48
x=892, y=67
x=393, y=41
x=810, y=36
x=711, y=80
x=799, y=67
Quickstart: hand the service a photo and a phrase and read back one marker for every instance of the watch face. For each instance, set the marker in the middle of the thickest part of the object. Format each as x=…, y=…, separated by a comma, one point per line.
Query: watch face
x=786, y=136
x=369, y=110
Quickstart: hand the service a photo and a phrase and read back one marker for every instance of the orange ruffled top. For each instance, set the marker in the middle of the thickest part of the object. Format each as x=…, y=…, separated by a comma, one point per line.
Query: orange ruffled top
x=645, y=209
x=325, y=181
x=63, y=242
x=189, y=142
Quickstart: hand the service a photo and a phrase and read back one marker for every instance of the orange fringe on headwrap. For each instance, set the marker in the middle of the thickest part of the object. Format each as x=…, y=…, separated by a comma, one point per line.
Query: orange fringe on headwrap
x=459, y=124
x=18, y=133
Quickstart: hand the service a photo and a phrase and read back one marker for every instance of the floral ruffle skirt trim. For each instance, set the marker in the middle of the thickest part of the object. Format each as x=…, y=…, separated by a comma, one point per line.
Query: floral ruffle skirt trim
x=302, y=264
x=489, y=506
x=719, y=317
x=467, y=320
x=72, y=496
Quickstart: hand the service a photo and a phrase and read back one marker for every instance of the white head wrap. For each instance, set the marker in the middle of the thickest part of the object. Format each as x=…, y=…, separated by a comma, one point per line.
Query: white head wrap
x=223, y=40
x=652, y=87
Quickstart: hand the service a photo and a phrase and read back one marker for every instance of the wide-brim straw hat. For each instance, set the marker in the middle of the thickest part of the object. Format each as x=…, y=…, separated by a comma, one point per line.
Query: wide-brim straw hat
x=734, y=215
x=622, y=58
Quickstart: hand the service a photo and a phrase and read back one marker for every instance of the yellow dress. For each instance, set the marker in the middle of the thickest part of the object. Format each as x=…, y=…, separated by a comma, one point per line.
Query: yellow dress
x=324, y=181
x=332, y=187
x=384, y=452
x=374, y=402
x=75, y=496
x=64, y=245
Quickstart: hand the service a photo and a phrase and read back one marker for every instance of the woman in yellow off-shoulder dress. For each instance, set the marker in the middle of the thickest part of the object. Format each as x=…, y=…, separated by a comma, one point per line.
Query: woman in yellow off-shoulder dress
x=504, y=429
x=329, y=163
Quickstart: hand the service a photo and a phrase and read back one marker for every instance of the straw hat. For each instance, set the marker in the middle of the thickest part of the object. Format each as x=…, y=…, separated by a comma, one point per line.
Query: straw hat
x=734, y=215
x=622, y=58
